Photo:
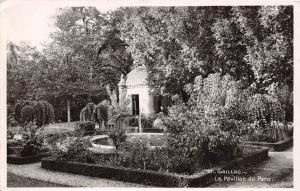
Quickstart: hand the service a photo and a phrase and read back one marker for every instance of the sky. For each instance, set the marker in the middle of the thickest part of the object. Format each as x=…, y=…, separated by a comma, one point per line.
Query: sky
x=32, y=22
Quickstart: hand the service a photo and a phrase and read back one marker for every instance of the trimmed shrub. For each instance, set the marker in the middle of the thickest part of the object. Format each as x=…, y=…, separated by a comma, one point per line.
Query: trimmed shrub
x=82, y=114
x=40, y=111
x=28, y=150
x=88, y=112
x=28, y=114
x=85, y=127
x=49, y=112
x=17, y=112
x=102, y=111
x=39, y=114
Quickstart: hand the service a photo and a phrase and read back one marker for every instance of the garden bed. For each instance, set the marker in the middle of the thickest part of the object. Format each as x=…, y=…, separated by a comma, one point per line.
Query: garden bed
x=277, y=146
x=15, y=159
x=253, y=155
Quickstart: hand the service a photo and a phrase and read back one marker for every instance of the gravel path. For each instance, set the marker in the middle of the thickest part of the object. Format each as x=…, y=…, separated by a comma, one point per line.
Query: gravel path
x=36, y=172
x=279, y=170
x=21, y=181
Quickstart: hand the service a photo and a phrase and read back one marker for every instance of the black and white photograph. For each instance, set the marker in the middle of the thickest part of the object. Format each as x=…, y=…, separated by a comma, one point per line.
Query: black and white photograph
x=101, y=94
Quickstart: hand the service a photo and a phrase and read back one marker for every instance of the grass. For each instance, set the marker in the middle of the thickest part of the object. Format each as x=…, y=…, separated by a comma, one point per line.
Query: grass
x=20, y=181
x=55, y=128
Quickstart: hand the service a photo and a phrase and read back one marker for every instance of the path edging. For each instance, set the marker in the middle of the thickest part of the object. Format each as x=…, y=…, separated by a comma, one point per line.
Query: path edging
x=151, y=177
x=278, y=146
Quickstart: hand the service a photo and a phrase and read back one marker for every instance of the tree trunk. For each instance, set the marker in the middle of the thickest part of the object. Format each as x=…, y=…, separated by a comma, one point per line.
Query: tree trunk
x=69, y=110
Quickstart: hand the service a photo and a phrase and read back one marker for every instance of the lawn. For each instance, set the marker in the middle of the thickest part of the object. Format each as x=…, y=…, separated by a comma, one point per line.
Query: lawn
x=55, y=128
x=20, y=181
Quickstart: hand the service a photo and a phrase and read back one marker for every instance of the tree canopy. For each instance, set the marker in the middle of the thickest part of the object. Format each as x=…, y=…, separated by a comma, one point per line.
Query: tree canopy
x=252, y=44
x=90, y=50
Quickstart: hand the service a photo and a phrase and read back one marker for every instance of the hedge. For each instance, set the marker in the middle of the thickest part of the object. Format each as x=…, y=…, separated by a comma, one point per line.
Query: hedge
x=86, y=127
x=40, y=111
x=154, y=178
x=278, y=146
x=14, y=159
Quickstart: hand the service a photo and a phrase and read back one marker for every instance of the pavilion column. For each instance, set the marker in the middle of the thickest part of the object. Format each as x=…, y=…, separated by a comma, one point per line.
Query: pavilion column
x=151, y=104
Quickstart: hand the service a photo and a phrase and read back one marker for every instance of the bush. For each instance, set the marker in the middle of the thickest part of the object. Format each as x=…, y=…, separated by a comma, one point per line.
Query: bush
x=72, y=149
x=223, y=146
x=17, y=112
x=29, y=140
x=13, y=122
x=85, y=127
x=118, y=136
x=88, y=112
x=49, y=112
x=77, y=151
x=28, y=114
x=96, y=113
x=283, y=94
x=40, y=111
x=102, y=113
x=28, y=150
x=264, y=113
x=137, y=155
x=102, y=110
x=207, y=128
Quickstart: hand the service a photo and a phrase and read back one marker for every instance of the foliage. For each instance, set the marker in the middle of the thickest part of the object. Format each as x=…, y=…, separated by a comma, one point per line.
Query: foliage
x=265, y=112
x=40, y=111
x=170, y=42
x=176, y=44
x=146, y=122
x=29, y=139
x=88, y=112
x=48, y=116
x=74, y=149
x=138, y=156
x=28, y=114
x=85, y=127
x=199, y=129
x=229, y=70
x=271, y=56
x=102, y=110
x=283, y=94
x=253, y=44
x=96, y=113
x=17, y=112
x=223, y=145
x=116, y=123
x=117, y=113
x=22, y=60
x=118, y=136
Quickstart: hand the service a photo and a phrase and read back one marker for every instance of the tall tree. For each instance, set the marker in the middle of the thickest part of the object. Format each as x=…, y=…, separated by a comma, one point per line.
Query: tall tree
x=174, y=43
x=22, y=60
